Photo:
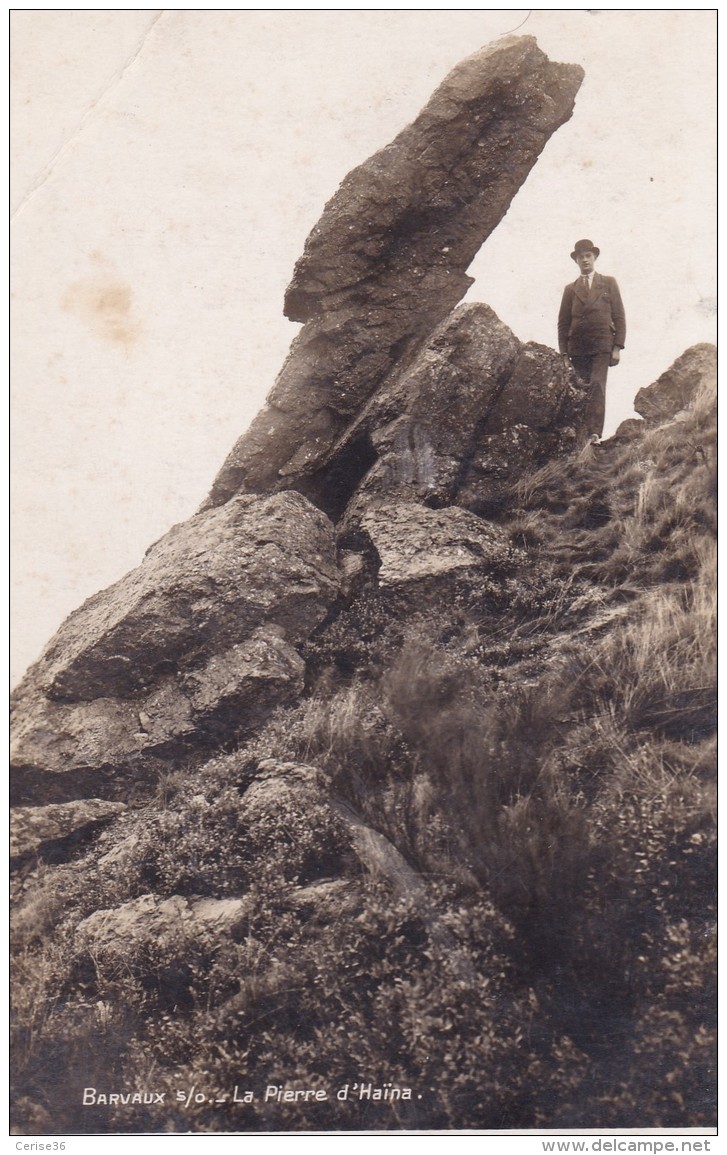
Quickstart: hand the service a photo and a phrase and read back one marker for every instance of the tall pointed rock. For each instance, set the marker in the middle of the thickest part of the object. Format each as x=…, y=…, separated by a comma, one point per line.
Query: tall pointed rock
x=388, y=259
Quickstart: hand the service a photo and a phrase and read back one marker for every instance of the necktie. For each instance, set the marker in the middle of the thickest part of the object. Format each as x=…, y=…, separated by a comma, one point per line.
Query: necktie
x=586, y=286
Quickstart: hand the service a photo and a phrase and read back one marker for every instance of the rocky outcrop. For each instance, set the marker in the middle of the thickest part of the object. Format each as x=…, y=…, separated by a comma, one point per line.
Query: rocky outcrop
x=417, y=546
x=475, y=408
x=110, y=736
x=393, y=848
x=245, y=676
x=204, y=587
x=388, y=259
x=388, y=409
x=62, y=738
x=153, y=920
x=424, y=425
x=677, y=388
x=390, y=412
x=33, y=828
x=193, y=647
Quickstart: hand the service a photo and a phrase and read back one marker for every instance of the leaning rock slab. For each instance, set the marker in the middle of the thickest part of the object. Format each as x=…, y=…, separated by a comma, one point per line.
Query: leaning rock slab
x=677, y=388
x=207, y=585
x=388, y=259
x=416, y=544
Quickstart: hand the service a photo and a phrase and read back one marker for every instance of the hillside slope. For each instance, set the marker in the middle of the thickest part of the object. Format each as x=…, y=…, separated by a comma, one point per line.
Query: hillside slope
x=475, y=860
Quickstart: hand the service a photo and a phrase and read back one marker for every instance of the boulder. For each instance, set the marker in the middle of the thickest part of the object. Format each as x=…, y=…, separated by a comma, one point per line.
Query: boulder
x=152, y=920
x=33, y=828
x=537, y=416
x=247, y=677
x=423, y=427
x=474, y=409
x=677, y=388
x=388, y=259
x=58, y=737
x=286, y=822
x=193, y=646
x=541, y=393
x=356, y=572
x=61, y=749
x=232, y=691
x=416, y=544
x=327, y=900
x=278, y=785
x=203, y=588
x=629, y=429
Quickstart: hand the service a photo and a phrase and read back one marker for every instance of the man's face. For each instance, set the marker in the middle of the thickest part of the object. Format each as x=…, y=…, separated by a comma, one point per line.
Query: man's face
x=586, y=261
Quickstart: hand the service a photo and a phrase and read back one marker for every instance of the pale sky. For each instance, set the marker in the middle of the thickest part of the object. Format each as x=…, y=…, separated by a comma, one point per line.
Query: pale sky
x=167, y=168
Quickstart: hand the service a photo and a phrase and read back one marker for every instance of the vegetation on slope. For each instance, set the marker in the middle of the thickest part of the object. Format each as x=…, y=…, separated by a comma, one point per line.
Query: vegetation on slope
x=540, y=751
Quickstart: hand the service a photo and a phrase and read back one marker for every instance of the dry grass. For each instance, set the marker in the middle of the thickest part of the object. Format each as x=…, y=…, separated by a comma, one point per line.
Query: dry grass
x=658, y=670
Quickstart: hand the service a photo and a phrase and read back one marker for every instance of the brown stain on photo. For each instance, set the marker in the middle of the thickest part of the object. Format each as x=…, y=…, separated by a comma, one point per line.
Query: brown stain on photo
x=103, y=302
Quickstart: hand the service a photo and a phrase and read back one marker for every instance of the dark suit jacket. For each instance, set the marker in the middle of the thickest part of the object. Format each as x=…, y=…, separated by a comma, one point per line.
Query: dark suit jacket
x=591, y=322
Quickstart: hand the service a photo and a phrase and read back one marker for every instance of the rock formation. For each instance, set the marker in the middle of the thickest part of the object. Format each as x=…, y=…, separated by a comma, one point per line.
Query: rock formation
x=445, y=430
x=677, y=388
x=193, y=646
x=225, y=758
x=388, y=259
x=115, y=932
x=53, y=829
x=674, y=392
x=382, y=388
x=416, y=546
x=206, y=586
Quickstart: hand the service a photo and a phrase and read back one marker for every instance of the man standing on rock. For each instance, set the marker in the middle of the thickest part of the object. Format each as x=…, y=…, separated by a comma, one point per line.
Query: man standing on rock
x=592, y=330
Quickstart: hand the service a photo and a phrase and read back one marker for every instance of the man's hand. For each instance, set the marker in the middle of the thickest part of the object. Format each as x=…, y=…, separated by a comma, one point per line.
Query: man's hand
x=615, y=356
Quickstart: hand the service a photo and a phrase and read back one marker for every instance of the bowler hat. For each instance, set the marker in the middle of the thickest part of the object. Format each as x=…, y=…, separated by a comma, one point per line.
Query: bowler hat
x=582, y=246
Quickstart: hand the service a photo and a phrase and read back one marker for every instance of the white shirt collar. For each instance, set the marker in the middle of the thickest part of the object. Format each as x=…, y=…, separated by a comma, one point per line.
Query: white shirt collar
x=590, y=277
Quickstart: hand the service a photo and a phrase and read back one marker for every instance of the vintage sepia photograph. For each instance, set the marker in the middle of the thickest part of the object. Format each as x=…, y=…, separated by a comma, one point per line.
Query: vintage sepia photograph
x=363, y=720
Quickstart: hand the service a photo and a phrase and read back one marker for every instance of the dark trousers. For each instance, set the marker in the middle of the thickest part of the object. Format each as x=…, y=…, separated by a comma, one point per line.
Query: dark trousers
x=594, y=369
